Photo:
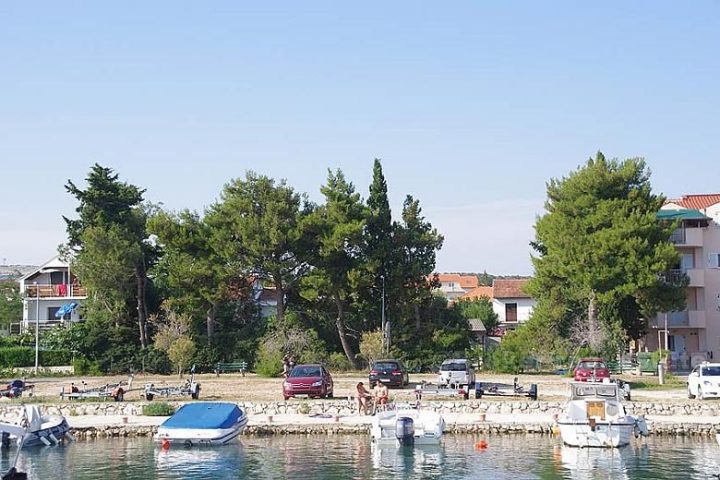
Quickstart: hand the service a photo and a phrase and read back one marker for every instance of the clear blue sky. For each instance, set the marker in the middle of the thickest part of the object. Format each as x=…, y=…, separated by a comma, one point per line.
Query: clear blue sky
x=472, y=106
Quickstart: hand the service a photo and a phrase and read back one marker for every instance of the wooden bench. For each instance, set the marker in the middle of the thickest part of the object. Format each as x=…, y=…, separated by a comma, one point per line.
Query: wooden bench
x=240, y=366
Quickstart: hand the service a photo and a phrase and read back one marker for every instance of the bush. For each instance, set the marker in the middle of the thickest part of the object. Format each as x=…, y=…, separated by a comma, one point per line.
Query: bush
x=158, y=409
x=338, y=361
x=269, y=362
x=54, y=358
x=83, y=366
x=17, y=357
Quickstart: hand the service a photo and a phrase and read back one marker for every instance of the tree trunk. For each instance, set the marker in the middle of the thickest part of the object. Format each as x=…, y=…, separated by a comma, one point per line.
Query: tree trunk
x=141, y=304
x=340, y=323
x=211, y=314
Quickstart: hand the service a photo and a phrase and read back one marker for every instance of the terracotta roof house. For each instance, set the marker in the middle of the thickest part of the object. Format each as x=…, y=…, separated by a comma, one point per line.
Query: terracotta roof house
x=453, y=285
x=482, y=291
x=707, y=204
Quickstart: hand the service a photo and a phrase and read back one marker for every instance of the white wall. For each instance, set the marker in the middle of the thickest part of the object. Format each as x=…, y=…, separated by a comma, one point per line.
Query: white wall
x=524, y=308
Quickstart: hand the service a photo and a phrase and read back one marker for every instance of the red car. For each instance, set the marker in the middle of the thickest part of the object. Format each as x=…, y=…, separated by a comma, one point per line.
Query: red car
x=311, y=379
x=589, y=369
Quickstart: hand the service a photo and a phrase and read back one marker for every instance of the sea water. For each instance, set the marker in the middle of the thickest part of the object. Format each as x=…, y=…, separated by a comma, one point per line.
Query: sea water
x=352, y=456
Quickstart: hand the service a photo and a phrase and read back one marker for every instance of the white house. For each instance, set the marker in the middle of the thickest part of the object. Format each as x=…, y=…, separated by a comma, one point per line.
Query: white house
x=512, y=305
x=455, y=286
x=52, y=295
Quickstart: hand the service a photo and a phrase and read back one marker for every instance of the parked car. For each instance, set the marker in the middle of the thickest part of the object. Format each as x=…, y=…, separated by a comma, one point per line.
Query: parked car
x=704, y=381
x=310, y=379
x=589, y=369
x=391, y=372
x=456, y=372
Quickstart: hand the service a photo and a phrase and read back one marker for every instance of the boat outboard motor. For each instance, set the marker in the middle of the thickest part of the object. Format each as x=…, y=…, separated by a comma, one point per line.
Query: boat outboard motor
x=405, y=431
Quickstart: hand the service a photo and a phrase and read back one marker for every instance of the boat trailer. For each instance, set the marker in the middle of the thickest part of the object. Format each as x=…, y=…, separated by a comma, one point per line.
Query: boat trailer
x=506, y=390
x=441, y=390
x=190, y=387
x=116, y=391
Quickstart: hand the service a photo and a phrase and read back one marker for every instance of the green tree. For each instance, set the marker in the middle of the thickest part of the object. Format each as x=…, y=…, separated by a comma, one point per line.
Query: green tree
x=109, y=205
x=10, y=303
x=480, y=308
x=338, y=226
x=416, y=245
x=379, y=252
x=602, y=254
x=181, y=352
x=259, y=230
x=195, y=274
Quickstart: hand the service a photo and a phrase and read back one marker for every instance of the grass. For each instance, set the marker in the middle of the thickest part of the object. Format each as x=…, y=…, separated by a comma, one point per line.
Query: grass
x=158, y=409
x=671, y=383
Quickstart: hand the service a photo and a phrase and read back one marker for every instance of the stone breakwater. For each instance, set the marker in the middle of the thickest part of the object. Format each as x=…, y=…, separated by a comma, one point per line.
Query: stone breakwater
x=328, y=417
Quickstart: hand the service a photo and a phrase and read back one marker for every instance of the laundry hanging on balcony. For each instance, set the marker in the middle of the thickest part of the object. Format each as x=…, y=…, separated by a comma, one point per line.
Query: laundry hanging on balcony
x=65, y=309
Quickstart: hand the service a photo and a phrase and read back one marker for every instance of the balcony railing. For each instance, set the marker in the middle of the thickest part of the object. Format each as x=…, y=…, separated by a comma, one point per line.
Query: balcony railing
x=685, y=318
x=57, y=290
x=678, y=236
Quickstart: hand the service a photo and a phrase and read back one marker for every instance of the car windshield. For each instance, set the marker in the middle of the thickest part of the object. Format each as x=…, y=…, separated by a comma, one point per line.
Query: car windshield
x=713, y=371
x=453, y=367
x=386, y=366
x=591, y=365
x=305, y=371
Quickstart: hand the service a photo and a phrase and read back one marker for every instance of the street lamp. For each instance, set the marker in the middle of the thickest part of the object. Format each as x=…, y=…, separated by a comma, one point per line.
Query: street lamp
x=37, y=327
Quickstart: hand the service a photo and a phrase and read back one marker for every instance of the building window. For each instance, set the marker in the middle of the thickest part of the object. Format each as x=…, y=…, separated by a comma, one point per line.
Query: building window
x=511, y=312
x=53, y=310
x=714, y=260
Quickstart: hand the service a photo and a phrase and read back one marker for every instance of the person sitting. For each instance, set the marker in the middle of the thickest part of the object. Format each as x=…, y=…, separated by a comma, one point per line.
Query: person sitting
x=362, y=395
x=381, y=396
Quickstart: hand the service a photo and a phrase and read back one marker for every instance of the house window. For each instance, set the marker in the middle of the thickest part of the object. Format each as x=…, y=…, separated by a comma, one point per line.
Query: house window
x=56, y=278
x=53, y=310
x=511, y=312
x=714, y=260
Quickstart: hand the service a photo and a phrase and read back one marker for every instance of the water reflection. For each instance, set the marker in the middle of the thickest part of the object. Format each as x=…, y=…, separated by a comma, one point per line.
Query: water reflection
x=353, y=456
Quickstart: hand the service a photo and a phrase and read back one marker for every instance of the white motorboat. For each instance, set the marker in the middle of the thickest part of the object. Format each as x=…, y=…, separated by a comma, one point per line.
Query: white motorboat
x=37, y=429
x=407, y=426
x=203, y=423
x=595, y=417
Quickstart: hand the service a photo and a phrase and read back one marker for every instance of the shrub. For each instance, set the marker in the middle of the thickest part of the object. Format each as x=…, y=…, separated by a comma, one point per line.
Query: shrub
x=158, y=409
x=304, y=408
x=338, y=361
x=54, y=358
x=83, y=366
x=17, y=357
x=269, y=362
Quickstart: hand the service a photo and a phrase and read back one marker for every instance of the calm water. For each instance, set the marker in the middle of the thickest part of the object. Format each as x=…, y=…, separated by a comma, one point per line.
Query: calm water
x=340, y=457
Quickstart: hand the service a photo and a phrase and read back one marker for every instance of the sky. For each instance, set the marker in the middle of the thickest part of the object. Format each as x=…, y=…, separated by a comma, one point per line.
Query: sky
x=472, y=106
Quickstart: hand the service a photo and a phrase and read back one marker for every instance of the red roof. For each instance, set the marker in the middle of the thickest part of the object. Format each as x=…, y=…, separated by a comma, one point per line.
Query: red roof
x=479, y=292
x=510, y=288
x=464, y=281
x=697, y=202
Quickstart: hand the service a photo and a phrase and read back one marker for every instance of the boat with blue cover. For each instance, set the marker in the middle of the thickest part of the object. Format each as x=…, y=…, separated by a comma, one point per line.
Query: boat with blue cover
x=203, y=423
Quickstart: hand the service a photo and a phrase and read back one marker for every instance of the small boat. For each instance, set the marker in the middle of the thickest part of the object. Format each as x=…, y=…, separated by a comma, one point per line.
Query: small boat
x=37, y=429
x=595, y=417
x=407, y=426
x=203, y=423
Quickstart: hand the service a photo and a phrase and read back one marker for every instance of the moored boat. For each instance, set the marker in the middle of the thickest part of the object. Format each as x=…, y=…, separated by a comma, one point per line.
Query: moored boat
x=203, y=423
x=595, y=417
x=38, y=429
x=407, y=426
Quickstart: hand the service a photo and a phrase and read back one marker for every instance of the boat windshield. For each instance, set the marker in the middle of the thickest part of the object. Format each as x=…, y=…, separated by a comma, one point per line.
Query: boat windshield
x=585, y=391
x=713, y=371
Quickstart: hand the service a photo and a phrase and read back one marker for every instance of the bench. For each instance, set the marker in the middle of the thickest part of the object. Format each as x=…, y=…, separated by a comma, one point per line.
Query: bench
x=240, y=366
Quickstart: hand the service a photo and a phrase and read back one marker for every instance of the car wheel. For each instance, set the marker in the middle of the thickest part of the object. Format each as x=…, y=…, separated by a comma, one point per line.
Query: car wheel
x=329, y=395
x=286, y=397
x=690, y=395
x=149, y=397
x=700, y=394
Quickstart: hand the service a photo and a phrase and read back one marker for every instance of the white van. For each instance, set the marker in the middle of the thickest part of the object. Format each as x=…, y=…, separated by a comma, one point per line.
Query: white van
x=456, y=372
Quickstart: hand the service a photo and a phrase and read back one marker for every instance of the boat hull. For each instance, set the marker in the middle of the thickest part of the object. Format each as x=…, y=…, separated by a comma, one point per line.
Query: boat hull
x=601, y=435
x=56, y=427
x=201, y=436
x=428, y=428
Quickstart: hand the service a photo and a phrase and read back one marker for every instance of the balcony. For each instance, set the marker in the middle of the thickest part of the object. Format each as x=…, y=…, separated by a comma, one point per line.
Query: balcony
x=697, y=277
x=55, y=291
x=688, y=237
x=683, y=319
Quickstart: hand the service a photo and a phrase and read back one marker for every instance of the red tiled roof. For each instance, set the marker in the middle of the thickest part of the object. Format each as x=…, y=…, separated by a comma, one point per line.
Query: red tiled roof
x=509, y=288
x=697, y=202
x=465, y=281
x=479, y=292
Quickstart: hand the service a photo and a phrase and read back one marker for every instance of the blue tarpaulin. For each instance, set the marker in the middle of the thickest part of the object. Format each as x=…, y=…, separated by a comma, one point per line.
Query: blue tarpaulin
x=65, y=309
x=205, y=415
